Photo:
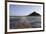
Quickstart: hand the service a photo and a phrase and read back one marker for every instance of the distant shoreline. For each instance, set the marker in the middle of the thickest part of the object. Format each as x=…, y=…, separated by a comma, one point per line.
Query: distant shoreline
x=23, y=16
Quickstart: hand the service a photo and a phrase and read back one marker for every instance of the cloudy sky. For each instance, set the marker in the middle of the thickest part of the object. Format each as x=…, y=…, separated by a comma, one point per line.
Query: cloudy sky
x=23, y=10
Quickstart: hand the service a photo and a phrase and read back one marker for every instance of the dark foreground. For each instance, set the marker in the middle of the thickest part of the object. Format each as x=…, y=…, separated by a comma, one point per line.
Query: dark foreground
x=25, y=22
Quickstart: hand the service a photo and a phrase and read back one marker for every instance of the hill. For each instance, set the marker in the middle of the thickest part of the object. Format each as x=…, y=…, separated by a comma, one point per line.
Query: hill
x=34, y=14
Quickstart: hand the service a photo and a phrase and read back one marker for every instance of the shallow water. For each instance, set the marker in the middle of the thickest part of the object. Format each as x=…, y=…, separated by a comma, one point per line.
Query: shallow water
x=25, y=22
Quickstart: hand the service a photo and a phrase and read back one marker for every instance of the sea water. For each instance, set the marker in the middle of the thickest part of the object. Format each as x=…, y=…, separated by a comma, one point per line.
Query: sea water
x=17, y=22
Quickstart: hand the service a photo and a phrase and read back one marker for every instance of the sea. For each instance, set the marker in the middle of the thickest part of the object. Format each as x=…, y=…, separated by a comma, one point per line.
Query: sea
x=20, y=22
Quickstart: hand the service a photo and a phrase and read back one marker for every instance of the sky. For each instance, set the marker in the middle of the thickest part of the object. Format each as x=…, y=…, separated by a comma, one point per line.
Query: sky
x=23, y=10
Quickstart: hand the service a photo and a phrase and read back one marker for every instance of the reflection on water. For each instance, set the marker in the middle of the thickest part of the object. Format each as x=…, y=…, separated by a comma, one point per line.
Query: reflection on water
x=25, y=22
